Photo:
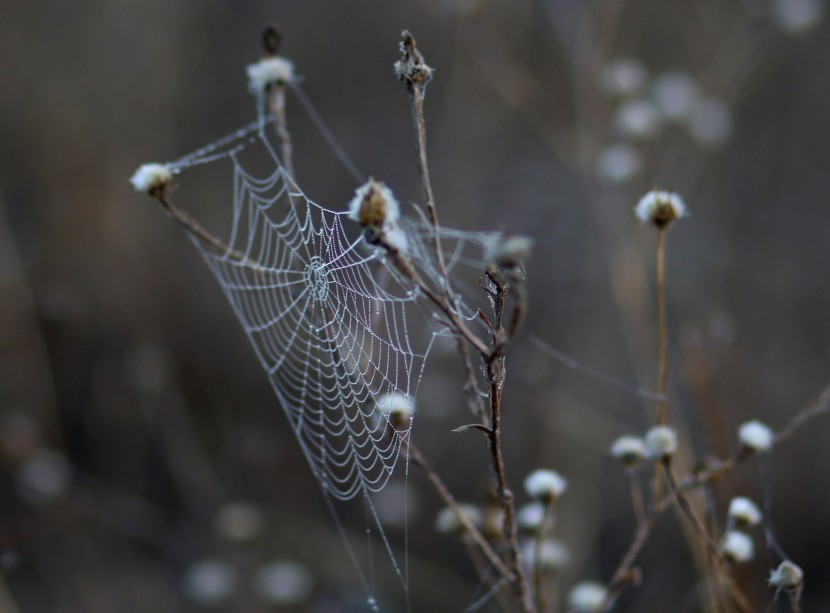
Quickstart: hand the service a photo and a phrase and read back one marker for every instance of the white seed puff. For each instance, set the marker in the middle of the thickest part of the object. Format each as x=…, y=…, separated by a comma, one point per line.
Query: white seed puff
x=149, y=177
x=787, y=576
x=737, y=546
x=545, y=485
x=660, y=208
x=269, y=70
x=587, y=597
x=756, y=436
x=661, y=442
x=744, y=512
x=629, y=449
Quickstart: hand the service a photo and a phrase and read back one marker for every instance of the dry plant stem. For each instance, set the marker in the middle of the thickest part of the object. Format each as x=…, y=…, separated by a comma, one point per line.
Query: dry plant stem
x=277, y=103
x=195, y=229
x=637, y=501
x=661, y=319
x=463, y=519
x=538, y=577
x=795, y=600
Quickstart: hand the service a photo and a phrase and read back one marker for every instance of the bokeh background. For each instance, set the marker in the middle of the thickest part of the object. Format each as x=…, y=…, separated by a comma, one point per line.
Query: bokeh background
x=145, y=462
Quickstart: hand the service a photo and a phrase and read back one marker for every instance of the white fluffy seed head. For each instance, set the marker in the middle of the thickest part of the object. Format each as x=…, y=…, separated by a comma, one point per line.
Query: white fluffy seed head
x=397, y=408
x=629, y=449
x=269, y=70
x=744, y=512
x=508, y=251
x=797, y=16
x=545, y=485
x=756, y=436
x=661, y=442
x=375, y=207
x=660, y=208
x=618, y=163
x=587, y=596
x=638, y=120
x=737, y=546
x=675, y=94
x=447, y=521
x=623, y=76
x=787, y=576
x=151, y=177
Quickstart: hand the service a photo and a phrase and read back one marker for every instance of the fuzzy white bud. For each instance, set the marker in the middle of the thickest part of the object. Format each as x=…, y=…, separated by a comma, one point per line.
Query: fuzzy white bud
x=661, y=442
x=375, y=207
x=269, y=70
x=660, y=208
x=744, y=512
x=629, y=449
x=675, y=94
x=756, y=436
x=397, y=408
x=508, y=251
x=530, y=516
x=587, y=597
x=737, y=546
x=623, y=76
x=787, y=576
x=149, y=177
x=638, y=120
x=545, y=485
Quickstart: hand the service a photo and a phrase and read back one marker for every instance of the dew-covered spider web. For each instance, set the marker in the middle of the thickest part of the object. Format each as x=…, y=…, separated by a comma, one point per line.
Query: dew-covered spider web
x=340, y=332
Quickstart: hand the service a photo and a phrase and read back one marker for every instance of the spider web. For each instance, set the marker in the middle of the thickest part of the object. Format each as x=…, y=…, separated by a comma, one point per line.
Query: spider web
x=338, y=330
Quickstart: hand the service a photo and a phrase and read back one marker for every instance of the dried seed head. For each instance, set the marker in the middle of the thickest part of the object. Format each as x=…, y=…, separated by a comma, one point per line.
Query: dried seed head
x=530, y=517
x=492, y=521
x=756, y=436
x=629, y=449
x=661, y=442
x=374, y=205
x=744, y=512
x=274, y=70
x=545, y=485
x=411, y=68
x=398, y=408
x=660, y=208
x=151, y=178
x=787, y=576
x=737, y=546
x=587, y=597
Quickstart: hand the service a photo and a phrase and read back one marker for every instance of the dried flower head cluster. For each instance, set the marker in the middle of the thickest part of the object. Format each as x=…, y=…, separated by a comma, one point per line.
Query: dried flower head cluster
x=661, y=442
x=788, y=576
x=375, y=207
x=744, y=512
x=737, y=546
x=660, y=208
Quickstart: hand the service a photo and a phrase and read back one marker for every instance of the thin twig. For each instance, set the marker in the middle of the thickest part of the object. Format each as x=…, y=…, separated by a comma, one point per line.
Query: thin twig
x=463, y=519
x=537, y=563
x=661, y=319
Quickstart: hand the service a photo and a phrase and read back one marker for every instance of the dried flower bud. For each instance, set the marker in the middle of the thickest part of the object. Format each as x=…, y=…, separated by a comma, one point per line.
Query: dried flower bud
x=629, y=449
x=530, y=517
x=744, y=512
x=587, y=597
x=737, y=546
x=756, y=436
x=375, y=207
x=661, y=442
x=397, y=408
x=660, y=208
x=151, y=177
x=787, y=576
x=545, y=485
x=492, y=521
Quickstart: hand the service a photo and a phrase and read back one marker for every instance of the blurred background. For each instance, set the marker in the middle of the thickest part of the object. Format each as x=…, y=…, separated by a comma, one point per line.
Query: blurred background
x=146, y=464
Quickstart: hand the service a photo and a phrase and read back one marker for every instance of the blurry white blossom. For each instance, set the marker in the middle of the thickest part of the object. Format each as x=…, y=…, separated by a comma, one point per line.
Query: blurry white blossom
x=447, y=521
x=552, y=554
x=618, y=163
x=710, y=122
x=638, y=120
x=587, y=597
x=210, y=581
x=283, y=582
x=796, y=16
x=675, y=94
x=756, y=436
x=530, y=516
x=44, y=475
x=737, y=546
x=629, y=449
x=623, y=76
x=744, y=512
x=661, y=442
x=545, y=485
